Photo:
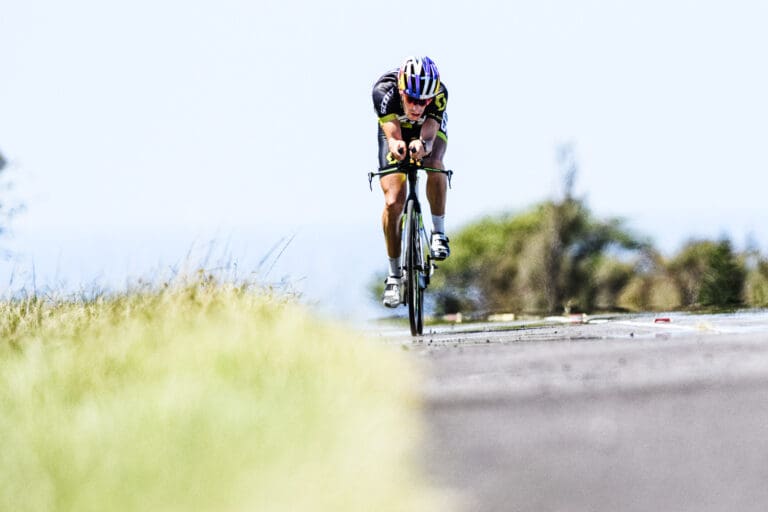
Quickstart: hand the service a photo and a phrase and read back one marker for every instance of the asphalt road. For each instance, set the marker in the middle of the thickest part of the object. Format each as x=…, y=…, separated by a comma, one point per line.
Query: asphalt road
x=616, y=414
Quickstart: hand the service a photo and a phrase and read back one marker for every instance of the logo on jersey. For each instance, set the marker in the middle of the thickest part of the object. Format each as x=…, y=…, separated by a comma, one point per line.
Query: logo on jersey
x=441, y=101
x=385, y=101
x=407, y=123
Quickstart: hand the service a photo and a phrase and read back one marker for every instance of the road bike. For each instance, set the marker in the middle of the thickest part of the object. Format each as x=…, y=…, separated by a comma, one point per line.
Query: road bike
x=418, y=262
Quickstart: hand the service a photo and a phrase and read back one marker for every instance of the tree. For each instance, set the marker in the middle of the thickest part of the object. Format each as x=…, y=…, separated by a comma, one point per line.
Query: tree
x=547, y=259
x=709, y=274
x=756, y=284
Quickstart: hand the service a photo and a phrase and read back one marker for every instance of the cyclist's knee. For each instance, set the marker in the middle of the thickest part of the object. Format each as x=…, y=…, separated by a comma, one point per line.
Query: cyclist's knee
x=435, y=163
x=435, y=158
x=394, y=193
x=394, y=204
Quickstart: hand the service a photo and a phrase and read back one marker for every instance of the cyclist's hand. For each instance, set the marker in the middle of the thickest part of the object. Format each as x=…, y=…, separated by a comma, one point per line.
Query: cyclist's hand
x=417, y=150
x=397, y=148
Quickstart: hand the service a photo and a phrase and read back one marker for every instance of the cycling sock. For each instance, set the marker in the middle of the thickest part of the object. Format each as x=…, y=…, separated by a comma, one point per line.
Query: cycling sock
x=438, y=224
x=394, y=267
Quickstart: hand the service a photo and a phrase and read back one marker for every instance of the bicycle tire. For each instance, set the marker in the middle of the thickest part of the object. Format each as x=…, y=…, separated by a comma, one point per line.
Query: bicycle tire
x=414, y=291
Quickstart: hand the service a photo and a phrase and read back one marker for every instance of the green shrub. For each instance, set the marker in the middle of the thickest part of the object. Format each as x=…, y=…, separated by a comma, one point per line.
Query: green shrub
x=709, y=274
x=650, y=292
x=756, y=286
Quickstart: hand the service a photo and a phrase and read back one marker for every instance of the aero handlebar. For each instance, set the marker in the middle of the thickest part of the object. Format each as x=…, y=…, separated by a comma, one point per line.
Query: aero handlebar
x=405, y=167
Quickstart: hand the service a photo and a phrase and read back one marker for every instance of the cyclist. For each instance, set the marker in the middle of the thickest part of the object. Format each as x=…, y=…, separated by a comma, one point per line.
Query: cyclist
x=410, y=103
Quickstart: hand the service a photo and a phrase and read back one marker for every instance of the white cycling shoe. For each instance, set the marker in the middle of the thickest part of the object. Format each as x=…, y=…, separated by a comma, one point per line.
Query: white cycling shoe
x=392, y=297
x=439, y=246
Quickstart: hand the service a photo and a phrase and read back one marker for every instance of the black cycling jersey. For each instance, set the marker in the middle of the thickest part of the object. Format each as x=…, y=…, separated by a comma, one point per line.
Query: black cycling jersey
x=389, y=106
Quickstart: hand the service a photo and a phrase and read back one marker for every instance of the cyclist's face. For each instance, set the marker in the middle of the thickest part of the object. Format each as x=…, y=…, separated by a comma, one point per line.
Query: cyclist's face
x=414, y=108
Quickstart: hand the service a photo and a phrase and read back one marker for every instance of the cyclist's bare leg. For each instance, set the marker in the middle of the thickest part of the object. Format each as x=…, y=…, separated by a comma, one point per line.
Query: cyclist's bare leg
x=394, y=187
x=437, y=184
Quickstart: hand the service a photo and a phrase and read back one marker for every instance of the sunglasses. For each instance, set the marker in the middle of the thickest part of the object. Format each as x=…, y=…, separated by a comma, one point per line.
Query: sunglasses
x=414, y=101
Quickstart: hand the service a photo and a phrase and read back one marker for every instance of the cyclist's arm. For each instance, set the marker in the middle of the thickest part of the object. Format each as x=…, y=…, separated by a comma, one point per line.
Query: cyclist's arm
x=428, y=133
x=435, y=118
x=394, y=136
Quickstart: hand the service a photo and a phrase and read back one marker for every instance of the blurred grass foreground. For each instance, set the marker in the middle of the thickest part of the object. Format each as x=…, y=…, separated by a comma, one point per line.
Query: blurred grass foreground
x=200, y=396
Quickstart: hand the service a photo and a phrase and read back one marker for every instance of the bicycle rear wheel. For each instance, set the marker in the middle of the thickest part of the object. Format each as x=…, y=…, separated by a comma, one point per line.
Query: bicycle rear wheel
x=413, y=268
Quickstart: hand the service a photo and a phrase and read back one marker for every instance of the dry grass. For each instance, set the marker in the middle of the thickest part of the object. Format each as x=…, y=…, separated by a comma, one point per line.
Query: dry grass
x=201, y=396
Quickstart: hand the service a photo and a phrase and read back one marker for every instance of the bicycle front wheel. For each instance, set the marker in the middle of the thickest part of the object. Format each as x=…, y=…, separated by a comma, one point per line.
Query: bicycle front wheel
x=413, y=269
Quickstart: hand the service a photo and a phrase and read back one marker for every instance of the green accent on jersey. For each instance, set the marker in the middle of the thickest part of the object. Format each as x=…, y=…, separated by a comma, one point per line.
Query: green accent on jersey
x=443, y=136
x=387, y=118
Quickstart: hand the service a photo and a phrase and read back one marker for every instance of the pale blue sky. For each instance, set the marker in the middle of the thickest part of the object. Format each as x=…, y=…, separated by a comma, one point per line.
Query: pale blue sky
x=147, y=126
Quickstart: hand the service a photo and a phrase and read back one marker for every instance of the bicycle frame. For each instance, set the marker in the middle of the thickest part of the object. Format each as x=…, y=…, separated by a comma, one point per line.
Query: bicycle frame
x=421, y=240
x=418, y=266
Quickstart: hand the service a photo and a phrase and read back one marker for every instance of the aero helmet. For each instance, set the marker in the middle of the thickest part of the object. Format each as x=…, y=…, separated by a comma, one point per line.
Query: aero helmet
x=418, y=78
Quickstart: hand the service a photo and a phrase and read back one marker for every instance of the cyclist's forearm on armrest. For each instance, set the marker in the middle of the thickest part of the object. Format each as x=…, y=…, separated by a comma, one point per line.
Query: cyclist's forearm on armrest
x=394, y=136
x=429, y=131
x=392, y=130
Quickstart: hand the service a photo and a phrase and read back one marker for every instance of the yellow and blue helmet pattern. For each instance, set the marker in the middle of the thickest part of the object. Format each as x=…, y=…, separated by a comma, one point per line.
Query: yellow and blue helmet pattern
x=419, y=78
